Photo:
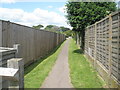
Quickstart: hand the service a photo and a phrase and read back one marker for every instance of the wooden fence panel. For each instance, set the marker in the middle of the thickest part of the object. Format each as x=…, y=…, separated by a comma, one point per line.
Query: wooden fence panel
x=102, y=44
x=115, y=45
x=34, y=43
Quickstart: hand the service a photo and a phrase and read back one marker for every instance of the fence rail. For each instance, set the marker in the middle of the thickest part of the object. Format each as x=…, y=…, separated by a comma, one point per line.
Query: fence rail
x=34, y=43
x=102, y=47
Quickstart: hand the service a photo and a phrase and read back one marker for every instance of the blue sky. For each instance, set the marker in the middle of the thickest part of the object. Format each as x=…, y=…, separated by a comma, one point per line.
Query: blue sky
x=30, y=6
x=34, y=13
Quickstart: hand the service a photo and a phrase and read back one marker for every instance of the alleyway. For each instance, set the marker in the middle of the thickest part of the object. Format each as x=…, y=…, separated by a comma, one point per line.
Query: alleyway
x=59, y=76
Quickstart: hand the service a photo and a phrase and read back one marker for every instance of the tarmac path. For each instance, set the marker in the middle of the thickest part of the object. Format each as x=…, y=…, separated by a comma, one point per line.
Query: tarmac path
x=59, y=76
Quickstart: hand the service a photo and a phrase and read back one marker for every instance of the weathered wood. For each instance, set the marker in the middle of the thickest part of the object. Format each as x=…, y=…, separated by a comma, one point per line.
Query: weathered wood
x=6, y=53
x=18, y=50
x=110, y=46
x=103, y=43
x=34, y=43
x=9, y=73
x=17, y=63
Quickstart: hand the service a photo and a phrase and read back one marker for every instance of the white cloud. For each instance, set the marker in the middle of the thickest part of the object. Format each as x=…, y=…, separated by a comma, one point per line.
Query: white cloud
x=38, y=16
x=13, y=1
x=117, y=0
x=62, y=9
x=7, y=1
x=50, y=6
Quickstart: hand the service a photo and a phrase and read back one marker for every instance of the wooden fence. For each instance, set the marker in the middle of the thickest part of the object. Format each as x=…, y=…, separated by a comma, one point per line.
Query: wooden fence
x=102, y=47
x=11, y=69
x=34, y=43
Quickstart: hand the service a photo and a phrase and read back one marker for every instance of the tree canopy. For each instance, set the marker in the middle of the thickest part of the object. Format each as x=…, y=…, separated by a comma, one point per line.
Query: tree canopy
x=49, y=27
x=82, y=14
x=52, y=28
x=64, y=28
x=55, y=28
x=38, y=26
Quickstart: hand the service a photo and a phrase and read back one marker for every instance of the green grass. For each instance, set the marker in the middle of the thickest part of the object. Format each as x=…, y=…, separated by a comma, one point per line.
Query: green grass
x=36, y=73
x=81, y=73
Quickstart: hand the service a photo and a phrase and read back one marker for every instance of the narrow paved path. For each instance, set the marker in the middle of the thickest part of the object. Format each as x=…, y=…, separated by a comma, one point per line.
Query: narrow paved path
x=59, y=76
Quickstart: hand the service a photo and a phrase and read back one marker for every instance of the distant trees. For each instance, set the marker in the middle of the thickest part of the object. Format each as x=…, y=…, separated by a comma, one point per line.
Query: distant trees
x=48, y=27
x=57, y=29
x=69, y=33
x=52, y=28
x=38, y=26
x=64, y=28
x=82, y=14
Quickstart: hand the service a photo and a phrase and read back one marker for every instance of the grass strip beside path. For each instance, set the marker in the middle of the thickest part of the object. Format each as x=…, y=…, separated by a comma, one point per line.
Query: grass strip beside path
x=81, y=73
x=36, y=73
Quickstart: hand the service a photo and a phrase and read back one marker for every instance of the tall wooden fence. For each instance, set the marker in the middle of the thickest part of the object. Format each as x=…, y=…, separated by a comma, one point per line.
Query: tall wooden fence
x=34, y=43
x=102, y=47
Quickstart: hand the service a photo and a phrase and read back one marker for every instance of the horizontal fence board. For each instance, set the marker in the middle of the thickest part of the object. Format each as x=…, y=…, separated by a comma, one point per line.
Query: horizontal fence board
x=104, y=41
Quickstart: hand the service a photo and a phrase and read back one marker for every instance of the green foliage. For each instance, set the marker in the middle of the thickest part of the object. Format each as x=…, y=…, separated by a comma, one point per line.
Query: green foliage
x=38, y=26
x=52, y=28
x=64, y=28
x=57, y=29
x=69, y=33
x=82, y=73
x=82, y=14
x=48, y=27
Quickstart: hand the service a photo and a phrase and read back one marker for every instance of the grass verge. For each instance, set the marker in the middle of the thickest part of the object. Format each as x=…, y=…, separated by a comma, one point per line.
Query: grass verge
x=81, y=73
x=36, y=73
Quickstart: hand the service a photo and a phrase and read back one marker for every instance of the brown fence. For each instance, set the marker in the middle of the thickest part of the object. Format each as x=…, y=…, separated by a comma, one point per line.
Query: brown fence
x=102, y=47
x=34, y=43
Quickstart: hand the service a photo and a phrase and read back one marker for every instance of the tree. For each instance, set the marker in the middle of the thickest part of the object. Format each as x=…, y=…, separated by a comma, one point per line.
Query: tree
x=54, y=28
x=68, y=33
x=64, y=28
x=48, y=27
x=82, y=14
x=38, y=26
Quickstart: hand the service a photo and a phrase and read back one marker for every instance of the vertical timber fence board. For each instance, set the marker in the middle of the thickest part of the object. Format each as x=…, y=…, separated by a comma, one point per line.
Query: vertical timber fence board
x=34, y=43
x=110, y=46
x=115, y=45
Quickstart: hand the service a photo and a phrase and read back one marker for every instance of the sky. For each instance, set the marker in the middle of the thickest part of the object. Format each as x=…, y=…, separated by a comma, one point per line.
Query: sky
x=35, y=12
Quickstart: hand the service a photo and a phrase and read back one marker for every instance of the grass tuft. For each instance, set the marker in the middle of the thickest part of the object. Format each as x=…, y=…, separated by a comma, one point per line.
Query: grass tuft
x=36, y=73
x=81, y=73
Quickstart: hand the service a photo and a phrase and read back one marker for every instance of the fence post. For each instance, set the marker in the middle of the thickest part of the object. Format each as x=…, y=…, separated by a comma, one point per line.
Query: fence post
x=18, y=48
x=95, y=53
x=110, y=46
x=17, y=63
x=119, y=44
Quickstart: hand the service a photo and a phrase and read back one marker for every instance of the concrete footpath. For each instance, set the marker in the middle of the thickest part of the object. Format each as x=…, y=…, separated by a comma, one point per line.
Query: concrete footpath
x=59, y=76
